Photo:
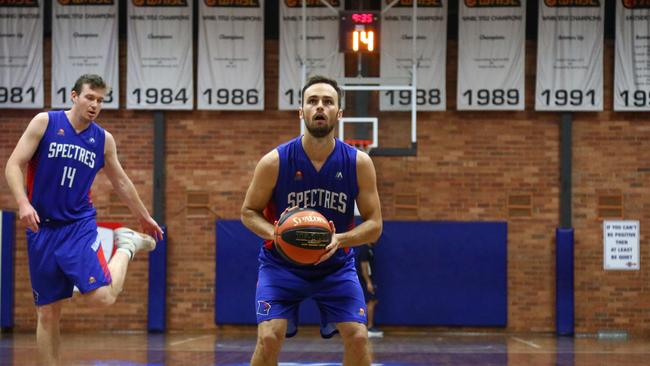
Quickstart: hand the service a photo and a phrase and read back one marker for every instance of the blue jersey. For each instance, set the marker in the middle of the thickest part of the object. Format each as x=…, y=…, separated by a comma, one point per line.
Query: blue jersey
x=331, y=191
x=62, y=170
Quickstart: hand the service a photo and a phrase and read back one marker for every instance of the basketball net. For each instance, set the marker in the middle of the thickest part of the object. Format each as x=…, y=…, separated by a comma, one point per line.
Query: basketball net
x=363, y=145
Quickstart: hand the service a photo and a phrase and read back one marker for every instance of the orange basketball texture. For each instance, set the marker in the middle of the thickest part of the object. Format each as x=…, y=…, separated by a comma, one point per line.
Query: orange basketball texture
x=301, y=235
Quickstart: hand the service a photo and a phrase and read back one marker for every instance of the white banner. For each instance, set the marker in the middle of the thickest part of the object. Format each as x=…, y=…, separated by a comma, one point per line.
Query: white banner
x=322, y=54
x=84, y=41
x=621, y=245
x=21, y=54
x=159, y=53
x=231, y=56
x=632, y=71
x=491, y=56
x=570, y=56
x=431, y=55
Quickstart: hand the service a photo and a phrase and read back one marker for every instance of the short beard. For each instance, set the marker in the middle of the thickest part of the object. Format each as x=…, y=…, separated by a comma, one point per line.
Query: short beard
x=319, y=131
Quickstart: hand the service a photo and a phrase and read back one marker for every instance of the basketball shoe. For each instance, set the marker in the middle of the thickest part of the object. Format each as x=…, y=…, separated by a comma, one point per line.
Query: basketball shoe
x=375, y=333
x=133, y=241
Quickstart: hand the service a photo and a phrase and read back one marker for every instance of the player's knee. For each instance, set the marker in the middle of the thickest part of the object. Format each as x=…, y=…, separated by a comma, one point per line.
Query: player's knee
x=270, y=342
x=356, y=339
x=48, y=315
x=102, y=296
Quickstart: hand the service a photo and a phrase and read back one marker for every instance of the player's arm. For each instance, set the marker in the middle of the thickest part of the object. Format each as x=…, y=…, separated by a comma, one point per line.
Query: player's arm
x=368, y=204
x=21, y=155
x=126, y=190
x=369, y=208
x=259, y=194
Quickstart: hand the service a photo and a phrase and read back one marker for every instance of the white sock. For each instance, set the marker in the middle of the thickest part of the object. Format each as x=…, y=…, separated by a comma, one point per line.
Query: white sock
x=128, y=252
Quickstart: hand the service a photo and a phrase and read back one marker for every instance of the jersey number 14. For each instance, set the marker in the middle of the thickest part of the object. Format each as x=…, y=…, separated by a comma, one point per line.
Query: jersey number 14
x=68, y=176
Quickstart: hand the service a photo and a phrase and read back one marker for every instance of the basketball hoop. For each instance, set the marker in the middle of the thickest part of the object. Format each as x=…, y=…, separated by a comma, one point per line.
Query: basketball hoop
x=363, y=145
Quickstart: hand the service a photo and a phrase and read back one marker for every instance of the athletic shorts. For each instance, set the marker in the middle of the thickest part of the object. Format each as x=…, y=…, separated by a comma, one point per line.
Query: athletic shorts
x=61, y=257
x=338, y=296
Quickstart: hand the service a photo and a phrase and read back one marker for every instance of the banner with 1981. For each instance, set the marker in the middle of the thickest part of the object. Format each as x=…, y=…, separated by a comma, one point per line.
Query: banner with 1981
x=21, y=54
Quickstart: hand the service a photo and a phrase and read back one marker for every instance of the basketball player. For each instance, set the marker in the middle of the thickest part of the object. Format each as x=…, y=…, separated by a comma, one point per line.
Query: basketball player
x=365, y=260
x=65, y=150
x=317, y=171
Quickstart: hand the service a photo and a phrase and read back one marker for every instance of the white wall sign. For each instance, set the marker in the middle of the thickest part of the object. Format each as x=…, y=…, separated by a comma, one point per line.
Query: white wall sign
x=621, y=245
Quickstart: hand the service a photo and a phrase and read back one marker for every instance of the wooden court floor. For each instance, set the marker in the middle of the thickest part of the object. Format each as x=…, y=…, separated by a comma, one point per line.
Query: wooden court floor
x=233, y=348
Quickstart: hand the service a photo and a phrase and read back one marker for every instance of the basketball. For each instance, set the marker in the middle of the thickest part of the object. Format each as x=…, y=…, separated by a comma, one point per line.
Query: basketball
x=301, y=235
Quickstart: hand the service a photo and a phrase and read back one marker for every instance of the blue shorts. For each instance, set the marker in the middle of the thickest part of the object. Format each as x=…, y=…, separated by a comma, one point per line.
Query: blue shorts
x=338, y=295
x=61, y=257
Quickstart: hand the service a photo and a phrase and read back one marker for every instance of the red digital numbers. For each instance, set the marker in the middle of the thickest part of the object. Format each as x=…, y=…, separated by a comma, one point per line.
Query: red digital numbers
x=364, y=18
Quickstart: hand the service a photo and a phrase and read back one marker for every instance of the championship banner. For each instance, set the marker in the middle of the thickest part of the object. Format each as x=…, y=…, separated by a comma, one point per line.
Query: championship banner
x=431, y=54
x=322, y=54
x=84, y=41
x=491, y=55
x=231, y=55
x=159, y=54
x=632, y=71
x=570, y=55
x=21, y=54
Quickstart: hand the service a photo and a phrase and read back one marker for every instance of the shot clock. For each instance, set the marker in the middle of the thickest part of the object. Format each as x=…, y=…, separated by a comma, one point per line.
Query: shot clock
x=359, y=31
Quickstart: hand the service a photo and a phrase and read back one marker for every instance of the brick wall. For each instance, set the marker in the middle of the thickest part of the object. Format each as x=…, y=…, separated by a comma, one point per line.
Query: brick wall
x=468, y=164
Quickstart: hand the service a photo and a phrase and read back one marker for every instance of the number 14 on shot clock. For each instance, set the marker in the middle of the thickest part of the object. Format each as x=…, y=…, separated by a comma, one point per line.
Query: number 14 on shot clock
x=359, y=31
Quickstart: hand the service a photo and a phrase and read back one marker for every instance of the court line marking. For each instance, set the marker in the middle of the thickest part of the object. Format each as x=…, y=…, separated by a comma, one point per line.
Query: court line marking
x=188, y=340
x=528, y=343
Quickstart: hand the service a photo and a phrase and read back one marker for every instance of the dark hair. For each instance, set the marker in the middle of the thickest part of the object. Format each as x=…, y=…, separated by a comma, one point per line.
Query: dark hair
x=319, y=79
x=94, y=82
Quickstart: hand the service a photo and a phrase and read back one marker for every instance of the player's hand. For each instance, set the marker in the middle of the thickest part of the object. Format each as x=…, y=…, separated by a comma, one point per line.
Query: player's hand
x=331, y=248
x=150, y=226
x=29, y=216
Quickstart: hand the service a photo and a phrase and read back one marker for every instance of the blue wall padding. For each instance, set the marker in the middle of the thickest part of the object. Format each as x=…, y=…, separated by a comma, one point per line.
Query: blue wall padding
x=428, y=273
x=157, y=286
x=7, y=267
x=564, y=298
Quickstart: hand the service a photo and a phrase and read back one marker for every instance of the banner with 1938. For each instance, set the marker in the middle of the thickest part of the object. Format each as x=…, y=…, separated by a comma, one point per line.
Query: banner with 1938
x=570, y=56
x=491, y=55
x=322, y=55
x=430, y=54
x=231, y=55
x=84, y=41
x=21, y=54
x=159, y=54
x=632, y=71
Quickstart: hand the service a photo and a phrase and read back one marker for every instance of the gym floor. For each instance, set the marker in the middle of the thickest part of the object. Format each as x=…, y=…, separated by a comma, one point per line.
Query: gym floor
x=233, y=347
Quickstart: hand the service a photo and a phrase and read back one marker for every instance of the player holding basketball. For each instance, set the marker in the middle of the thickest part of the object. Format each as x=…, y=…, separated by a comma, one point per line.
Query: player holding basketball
x=65, y=150
x=317, y=171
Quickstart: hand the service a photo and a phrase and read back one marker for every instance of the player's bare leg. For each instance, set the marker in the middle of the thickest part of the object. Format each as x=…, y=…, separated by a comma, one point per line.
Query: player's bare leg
x=355, y=344
x=270, y=336
x=128, y=243
x=48, y=333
